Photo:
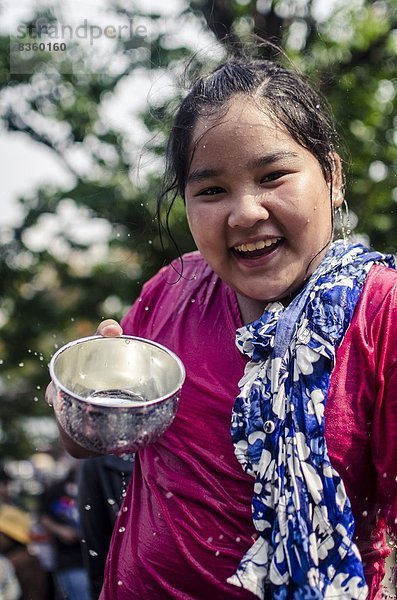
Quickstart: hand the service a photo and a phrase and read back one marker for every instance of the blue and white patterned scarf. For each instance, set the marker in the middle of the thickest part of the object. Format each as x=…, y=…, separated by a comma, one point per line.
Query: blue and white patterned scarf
x=301, y=512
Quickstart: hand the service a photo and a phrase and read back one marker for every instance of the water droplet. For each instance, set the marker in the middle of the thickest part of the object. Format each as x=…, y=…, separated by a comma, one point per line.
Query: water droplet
x=92, y=553
x=38, y=387
x=221, y=536
x=111, y=501
x=365, y=513
x=119, y=582
x=35, y=399
x=21, y=364
x=169, y=495
x=217, y=553
x=146, y=308
x=1, y=361
x=192, y=300
x=123, y=485
x=87, y=507
x=238, y=539
x=125, y=508
x=210, y=539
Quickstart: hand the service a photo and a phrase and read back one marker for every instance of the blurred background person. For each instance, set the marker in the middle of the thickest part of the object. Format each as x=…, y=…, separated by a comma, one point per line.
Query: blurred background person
x=9, y=585
x=102, y=486
x=60, y=517
x=14, y=539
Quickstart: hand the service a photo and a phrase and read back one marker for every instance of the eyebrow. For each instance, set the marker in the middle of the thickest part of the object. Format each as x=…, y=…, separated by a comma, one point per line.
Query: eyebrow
x=268, y=159
x=198, y=175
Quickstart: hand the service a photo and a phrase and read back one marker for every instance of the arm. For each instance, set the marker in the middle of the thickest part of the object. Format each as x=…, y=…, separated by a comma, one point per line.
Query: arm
x=66, y=533
x=384, y=432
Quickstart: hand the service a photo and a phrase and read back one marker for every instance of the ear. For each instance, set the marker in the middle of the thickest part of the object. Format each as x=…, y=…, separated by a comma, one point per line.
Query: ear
x=336, y=184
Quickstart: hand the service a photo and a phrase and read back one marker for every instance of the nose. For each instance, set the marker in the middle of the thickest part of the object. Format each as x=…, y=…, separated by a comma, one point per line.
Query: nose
x=246, y=209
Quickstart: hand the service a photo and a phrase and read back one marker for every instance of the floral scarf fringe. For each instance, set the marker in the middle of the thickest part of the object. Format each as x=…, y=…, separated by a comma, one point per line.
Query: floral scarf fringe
x=301, y=512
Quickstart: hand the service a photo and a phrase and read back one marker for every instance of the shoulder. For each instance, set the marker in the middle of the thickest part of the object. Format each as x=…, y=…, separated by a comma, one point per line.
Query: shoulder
x=380, y=290
x=189, y=268
x=376, y=315
x=183, y=274
x=168, y=291
x=381, y=278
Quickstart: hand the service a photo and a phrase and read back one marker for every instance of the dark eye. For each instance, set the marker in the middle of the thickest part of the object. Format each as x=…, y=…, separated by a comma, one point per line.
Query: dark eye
x=272, y=176
x=211, y=191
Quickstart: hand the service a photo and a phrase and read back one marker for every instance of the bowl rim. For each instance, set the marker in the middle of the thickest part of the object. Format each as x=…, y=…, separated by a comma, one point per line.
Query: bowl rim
x=90, y=338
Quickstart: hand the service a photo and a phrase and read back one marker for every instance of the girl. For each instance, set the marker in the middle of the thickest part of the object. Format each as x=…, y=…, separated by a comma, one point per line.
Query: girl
x=313, y=366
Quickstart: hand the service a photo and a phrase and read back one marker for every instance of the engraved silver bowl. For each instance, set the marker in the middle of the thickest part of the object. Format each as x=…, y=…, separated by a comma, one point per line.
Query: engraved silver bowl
x=114, y=395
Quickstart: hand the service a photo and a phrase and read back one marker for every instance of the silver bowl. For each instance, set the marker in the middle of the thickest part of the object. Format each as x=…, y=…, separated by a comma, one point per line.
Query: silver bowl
x=115, y=395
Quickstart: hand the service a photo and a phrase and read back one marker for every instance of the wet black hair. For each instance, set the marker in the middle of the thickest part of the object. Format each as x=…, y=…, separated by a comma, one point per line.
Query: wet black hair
x=283, y=94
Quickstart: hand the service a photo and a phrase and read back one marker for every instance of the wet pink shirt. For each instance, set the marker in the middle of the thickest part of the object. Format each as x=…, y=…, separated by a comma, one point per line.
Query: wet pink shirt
x=186, y=519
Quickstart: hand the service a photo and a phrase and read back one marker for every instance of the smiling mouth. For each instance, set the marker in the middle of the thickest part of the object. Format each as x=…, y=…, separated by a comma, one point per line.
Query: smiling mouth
x=256, y=249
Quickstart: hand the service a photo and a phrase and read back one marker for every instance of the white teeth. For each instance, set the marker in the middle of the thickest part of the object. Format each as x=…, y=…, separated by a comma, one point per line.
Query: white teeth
x=257, y=245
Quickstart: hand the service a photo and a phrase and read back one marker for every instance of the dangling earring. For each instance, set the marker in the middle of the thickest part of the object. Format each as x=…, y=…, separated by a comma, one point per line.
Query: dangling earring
x=344, y=219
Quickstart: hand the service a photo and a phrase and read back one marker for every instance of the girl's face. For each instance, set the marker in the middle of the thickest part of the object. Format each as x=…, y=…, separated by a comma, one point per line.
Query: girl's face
x=258, y=204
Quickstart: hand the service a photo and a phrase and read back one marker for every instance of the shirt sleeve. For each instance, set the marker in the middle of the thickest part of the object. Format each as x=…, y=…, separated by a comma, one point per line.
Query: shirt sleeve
x=384, y=432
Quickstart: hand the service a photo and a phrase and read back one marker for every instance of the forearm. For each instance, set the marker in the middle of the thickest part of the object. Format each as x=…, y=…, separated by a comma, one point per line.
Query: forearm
x=66, y=533
x=72, y=447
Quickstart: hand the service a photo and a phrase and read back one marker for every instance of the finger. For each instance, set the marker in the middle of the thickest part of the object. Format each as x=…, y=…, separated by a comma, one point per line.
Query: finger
x=109, y=328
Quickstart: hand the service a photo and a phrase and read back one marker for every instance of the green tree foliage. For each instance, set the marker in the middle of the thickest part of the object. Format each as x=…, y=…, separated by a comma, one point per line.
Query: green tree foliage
x=52, y=292
x=56, y=291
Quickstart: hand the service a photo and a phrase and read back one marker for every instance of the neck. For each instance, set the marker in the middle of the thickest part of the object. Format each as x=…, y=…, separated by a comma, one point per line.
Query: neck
x=250, y=309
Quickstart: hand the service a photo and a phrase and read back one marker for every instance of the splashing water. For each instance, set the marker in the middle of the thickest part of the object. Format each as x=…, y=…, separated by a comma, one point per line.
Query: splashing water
x=345, y=223
x=123, y=485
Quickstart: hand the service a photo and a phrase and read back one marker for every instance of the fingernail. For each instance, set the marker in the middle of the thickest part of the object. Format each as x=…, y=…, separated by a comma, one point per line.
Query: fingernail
x=110, y=329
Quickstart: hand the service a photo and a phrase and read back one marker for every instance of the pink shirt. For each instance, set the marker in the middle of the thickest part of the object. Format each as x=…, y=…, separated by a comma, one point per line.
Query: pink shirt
x=186, y=519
